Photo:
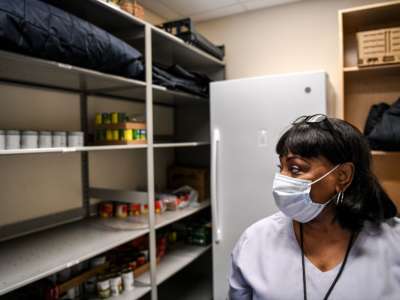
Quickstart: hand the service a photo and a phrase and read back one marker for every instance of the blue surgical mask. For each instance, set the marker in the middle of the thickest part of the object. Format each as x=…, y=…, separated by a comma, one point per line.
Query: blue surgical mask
x=292, y=196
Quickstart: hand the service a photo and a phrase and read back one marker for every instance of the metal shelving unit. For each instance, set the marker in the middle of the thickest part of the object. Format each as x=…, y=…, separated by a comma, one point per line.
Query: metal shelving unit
x=174, y=261
x=59, y=242
x=32, y=257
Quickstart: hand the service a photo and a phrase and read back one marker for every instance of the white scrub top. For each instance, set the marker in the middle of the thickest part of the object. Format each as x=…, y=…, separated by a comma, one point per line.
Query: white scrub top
x=266, y=264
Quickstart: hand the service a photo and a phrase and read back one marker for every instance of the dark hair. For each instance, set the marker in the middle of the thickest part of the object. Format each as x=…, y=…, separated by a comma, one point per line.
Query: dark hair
x=340, y=142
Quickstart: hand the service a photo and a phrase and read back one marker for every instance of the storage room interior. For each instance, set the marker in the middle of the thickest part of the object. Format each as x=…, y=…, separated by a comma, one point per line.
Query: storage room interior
x=116, y=181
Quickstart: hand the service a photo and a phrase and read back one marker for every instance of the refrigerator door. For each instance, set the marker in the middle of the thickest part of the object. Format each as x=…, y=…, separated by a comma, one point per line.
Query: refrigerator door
x=247, y=118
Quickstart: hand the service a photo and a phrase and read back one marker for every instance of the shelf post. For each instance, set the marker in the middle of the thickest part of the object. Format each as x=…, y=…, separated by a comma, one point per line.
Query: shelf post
x=85, y=156
x=150, y=160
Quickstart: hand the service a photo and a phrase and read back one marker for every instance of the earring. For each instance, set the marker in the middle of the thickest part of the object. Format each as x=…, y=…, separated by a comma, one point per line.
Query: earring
x=339, y=198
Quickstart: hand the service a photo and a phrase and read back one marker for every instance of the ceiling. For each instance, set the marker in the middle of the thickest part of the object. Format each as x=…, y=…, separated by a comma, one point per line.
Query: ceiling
x=202, y=10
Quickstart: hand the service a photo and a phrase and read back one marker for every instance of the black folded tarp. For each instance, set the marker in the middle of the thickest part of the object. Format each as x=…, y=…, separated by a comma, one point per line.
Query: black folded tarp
x=383, y=127
x=177, y=78
x=38, y=29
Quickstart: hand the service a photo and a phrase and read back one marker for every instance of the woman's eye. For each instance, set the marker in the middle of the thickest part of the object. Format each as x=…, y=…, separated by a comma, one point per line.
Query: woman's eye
x=295, y=170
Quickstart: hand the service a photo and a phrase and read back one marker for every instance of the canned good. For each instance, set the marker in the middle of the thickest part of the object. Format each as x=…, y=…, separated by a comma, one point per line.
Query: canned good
x=145, y=208
x=100, y=134
x=90, y=285
x=45, y=139
x=13, y=139
x=106, y=210
x=136, y=134
x=29, y=140
x=115, y=135
x=114, y=118
x=143, y=134
x=97, y=261
x=59, y=139
x=2, y=140
x=109, y=135
x=99, y=119
x=133, y=265
x=128, y=279
x=116, y=285
x=75, y=139
x=128, y=134
x=106, y=118
x=134, y=209
x=121, y=133
x=122, y=117
x=103, y=287
x=121, y=210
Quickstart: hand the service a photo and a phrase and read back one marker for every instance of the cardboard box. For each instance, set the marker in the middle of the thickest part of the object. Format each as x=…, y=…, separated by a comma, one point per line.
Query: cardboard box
x=197, y=178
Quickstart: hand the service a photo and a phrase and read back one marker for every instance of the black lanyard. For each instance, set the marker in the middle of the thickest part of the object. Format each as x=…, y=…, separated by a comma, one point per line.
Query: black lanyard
x=337, y=276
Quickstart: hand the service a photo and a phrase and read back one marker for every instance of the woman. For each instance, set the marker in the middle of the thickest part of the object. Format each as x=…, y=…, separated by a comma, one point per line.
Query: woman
x=336, y=236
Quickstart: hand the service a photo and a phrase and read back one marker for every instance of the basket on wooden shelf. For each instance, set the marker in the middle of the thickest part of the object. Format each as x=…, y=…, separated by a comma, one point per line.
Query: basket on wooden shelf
x=379, y=47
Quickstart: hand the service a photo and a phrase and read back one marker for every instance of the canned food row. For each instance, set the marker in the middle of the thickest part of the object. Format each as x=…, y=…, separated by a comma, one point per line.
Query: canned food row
x=111, y=118
x=28, y=139
x=124, y=135
x=121, y=210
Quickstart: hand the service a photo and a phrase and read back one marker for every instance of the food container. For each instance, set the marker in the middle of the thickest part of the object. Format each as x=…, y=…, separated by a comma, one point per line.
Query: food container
x=115, y=135
x=109, y=135
x=45, y=139
x=29, y=140
x=136, y=134
x=13, y=139
x=116, y=285
x=75, y=139
x=144, y=209
x=133, y=265
x=106, y=118
x=97, y=261
x=90, y=286
x=59, y=139
x=106, y=210
x=128, y=135
x=114, y=118
x=121, y=210
x=103, y=287
x=98, y=119
x=134, y=209
x=128, y=279
x=2, y=140
x=100, y=135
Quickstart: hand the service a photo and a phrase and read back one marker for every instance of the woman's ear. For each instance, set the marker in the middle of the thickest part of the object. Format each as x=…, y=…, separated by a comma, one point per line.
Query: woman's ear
x=345, y=174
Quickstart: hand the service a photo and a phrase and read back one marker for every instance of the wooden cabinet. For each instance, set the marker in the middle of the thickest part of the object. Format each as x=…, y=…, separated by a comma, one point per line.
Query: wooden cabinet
x=361, y=87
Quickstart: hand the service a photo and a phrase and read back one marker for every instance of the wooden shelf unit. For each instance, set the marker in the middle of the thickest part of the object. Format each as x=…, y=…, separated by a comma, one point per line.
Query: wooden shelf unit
x=362, y=87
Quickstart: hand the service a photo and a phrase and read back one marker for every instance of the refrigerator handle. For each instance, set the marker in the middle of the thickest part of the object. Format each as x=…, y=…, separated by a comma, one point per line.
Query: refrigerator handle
x=214, y=185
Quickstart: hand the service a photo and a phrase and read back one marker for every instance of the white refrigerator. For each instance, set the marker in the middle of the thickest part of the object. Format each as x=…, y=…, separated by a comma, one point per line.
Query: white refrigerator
x=247, y=118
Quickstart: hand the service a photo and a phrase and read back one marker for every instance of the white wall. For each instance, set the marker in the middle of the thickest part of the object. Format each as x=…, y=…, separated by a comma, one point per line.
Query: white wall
x=289, y=38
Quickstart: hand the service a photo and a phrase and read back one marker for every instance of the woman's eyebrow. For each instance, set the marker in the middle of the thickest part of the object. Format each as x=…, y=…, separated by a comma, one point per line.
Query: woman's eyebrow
x=295, y=156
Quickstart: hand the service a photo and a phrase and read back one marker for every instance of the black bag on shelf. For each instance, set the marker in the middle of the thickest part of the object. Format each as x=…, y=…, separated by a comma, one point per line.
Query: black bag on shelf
x=385, y=135
x=38, y=29
x=177, y=78
x=185, y=30
x=375, y=116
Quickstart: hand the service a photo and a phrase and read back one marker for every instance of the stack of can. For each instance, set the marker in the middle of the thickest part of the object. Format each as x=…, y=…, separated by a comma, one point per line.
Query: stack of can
x=117, y=135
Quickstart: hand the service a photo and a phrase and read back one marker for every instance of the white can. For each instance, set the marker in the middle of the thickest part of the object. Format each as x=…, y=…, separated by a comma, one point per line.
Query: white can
x=128, y=280
x=59, y=139
x=116, y=285
x=13, y=139
x=2, y=140
x=29, y=140
x=45, y=139
x=75, y=139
